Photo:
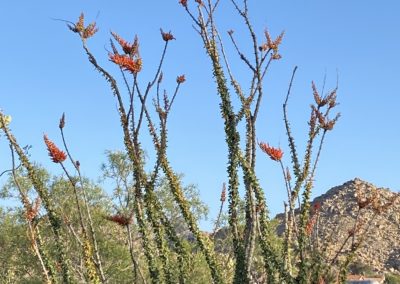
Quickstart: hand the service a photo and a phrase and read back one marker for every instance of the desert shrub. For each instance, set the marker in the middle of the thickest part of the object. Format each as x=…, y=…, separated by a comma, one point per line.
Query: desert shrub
x=361, y=269
x=391, y=278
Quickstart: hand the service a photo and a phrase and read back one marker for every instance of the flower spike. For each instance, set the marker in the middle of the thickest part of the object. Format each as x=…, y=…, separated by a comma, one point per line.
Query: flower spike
x=57, y=156
x=274, y=153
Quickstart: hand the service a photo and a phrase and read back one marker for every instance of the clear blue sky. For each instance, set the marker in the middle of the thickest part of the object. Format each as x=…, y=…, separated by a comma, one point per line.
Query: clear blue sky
x=44, y=73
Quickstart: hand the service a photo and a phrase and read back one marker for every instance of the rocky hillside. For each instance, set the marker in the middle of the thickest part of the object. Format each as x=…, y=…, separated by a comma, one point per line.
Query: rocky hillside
x=376, y=210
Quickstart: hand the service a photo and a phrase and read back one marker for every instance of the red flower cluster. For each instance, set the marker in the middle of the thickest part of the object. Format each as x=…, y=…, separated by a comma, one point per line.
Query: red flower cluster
x=120, y=219
x=130, y=61
x=180, y=79
x=166, y=36
x=183, y=3
x=131, y=49
x=79, y=27
x=272, y=44
x=33, y=210
x=223, y=193
x=313, y=220
x=90, y=30
x=55, y=153
x=274, y=153
x=126, y=63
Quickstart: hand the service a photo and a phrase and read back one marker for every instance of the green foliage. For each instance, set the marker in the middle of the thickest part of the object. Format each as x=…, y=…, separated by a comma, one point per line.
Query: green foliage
x=361, y=269
x=17, y=263
x=391, y=278
x=17, y=257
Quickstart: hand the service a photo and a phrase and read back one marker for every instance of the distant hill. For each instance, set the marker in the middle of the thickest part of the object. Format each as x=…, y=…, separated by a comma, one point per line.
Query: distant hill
x=338, y=212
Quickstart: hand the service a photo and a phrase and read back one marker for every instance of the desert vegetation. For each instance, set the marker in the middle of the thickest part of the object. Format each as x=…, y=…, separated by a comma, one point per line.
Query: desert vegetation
x=68, y=230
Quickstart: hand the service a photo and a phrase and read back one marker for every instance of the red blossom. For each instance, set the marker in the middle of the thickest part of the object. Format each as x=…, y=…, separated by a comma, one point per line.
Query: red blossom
x=79, y=27
x=57, y=156
x=180, y=79
x=166, y=36
x=316, y=206
x=276, y=56
x=120, y=219
x=274, y=153
x=128, y=48
x=272, y=44
x=183, y=3
x=126, y=63
x=311, y=222
x=318, y=99
x=33, y=209
x=89, y=31
x=223, y=193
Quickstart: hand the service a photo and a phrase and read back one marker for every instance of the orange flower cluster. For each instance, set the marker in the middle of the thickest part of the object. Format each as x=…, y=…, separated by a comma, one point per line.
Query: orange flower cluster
x=311, y=222
x=55, y=153
x=318, y=100
x=276, y=56
x=126, y=63
x=272, y=45
x=329, y=99
x=79, y=27
x=33, y=210
x=180, y=79
x=183, y=3
x=166, y=36
x=89, y=31
x=274, y=153
x=131, y=60
x=324, y=122
x=120, y=219
x=223, y=193
x=131, y=49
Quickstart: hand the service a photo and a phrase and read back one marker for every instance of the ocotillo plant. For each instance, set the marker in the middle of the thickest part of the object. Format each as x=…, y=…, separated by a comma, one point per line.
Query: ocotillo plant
x=167, y=254
x=154, y=242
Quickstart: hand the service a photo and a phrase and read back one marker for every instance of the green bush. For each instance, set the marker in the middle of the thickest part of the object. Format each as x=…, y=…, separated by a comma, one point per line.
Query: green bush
x=391, y=278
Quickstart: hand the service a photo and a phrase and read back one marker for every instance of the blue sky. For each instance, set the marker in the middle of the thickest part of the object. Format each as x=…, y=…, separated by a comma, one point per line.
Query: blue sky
x=44, y=73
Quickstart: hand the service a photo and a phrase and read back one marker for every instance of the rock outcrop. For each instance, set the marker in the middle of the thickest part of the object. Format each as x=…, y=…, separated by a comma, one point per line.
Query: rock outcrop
x=377, y=213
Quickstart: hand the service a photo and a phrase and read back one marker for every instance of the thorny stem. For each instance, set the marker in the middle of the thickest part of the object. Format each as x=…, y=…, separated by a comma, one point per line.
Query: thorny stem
x=250, y=228
x=218, y=220
x=87, y=251
x=136, y=267
x=149, y=86
x=47, y=267
x=272, y=262
x=43, y=193
x=97, y=261
x=132, y=150
x=292, y=146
